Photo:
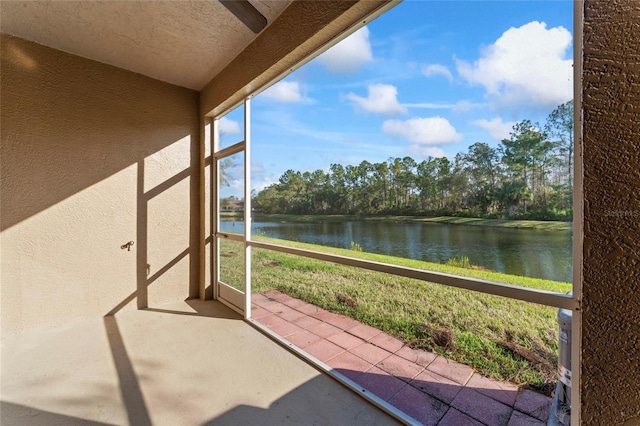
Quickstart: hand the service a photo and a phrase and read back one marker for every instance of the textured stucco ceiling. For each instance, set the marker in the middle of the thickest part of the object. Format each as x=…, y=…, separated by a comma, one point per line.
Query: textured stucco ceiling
x=185, y=43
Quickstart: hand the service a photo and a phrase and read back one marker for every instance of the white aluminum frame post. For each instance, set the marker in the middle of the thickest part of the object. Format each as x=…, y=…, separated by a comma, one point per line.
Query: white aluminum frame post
x=217, y=155
x=247, y=208
x=214, y=205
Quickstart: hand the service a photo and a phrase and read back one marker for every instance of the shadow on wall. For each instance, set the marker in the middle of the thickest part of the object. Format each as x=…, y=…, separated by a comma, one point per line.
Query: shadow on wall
x=92, y=157
x=69, y=123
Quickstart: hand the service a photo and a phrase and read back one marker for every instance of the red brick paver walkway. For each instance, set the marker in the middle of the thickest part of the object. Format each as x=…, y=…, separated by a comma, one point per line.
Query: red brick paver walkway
x=431, y=389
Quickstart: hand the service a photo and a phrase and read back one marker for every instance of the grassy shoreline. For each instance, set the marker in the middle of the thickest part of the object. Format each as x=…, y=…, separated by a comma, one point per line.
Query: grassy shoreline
x=467, y=221
x=470, y=327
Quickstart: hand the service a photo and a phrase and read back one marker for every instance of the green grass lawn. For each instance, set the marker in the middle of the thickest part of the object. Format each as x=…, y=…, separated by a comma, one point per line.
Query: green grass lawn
x=501, y=338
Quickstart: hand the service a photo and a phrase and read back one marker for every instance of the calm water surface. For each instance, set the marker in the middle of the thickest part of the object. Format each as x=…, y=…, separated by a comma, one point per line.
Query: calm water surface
x=526, y=252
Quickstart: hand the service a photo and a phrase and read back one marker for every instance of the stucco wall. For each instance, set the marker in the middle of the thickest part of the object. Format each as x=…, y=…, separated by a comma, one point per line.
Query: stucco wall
x=92, y=157
x=611, y=290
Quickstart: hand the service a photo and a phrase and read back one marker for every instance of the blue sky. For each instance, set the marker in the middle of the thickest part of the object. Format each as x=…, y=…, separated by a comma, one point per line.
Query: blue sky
x=427, y=78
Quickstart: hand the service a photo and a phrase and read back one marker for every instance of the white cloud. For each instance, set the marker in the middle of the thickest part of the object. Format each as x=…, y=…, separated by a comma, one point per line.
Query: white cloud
x=349, y=55
x=262, y=184
x=382, y=98
x=497, y=128
x=426, y=151
x=286, y=92
x=437, y=69
x=526, y=66
x=229, y=127
x=423, y=131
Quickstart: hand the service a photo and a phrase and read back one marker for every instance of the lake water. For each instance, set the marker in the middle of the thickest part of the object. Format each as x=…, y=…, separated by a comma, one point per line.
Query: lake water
x=525, y=252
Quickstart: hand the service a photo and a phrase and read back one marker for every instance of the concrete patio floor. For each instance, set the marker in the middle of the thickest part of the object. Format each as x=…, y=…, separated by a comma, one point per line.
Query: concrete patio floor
x=431, y=389
x=188, y=363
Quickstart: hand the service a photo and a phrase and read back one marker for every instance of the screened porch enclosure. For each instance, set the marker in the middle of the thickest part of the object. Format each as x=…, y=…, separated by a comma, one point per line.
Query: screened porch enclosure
x=109, y=114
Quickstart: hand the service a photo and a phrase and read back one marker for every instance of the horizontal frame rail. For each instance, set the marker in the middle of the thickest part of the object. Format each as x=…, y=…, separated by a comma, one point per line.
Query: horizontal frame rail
x=229, y=151
x=542, y=297
x=233, y=237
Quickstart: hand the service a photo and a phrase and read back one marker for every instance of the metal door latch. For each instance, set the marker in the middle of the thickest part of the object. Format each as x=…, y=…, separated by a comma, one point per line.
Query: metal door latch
x=127, y=246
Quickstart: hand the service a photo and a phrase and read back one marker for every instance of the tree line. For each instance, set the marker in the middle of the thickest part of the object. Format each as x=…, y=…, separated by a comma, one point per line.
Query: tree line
x=529, y=175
